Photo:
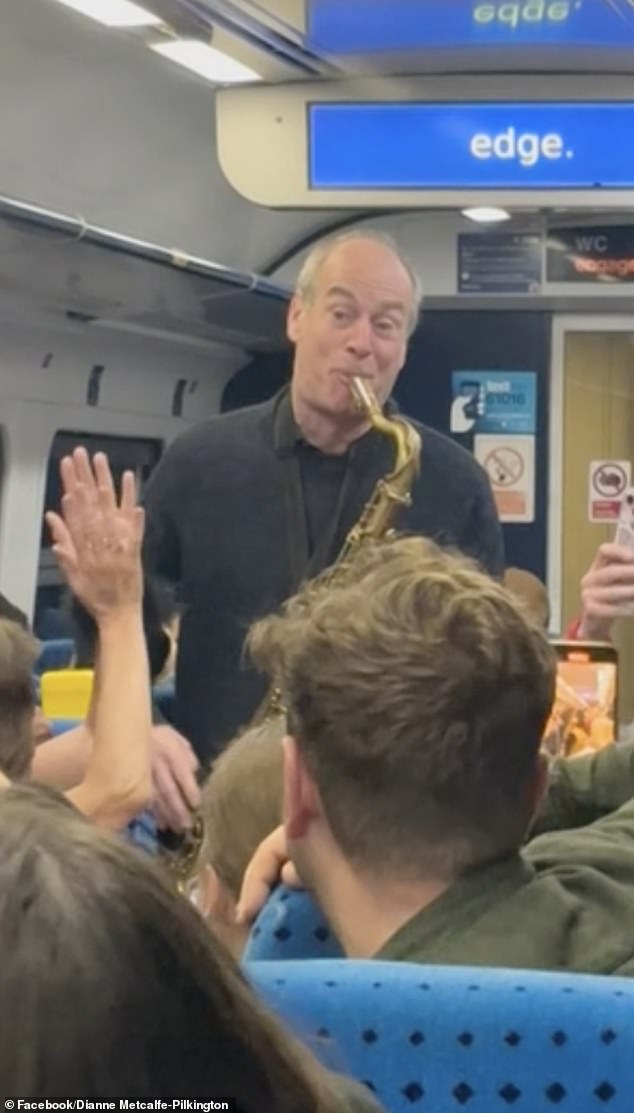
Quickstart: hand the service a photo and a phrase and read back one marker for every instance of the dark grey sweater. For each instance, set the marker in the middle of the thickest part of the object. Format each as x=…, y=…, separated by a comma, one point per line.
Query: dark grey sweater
x=233, y=510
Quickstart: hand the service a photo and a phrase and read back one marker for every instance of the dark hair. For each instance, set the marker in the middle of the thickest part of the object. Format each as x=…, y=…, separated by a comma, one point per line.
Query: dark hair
x=159, y=606
x=112, y=985
x=9, y=611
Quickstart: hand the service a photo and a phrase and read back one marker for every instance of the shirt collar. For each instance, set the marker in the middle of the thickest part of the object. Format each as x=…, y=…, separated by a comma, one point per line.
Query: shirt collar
x=286, y=432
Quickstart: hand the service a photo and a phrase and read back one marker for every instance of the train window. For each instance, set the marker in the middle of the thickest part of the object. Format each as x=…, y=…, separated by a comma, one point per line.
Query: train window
x=139, y=455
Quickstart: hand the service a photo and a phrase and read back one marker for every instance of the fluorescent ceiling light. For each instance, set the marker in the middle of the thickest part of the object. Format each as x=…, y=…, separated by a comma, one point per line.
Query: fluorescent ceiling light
x=205, y=60
x=114, y=13
x=483, y=214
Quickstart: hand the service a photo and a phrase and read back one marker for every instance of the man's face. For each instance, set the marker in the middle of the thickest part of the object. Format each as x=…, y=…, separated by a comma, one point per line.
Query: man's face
x=355, y=323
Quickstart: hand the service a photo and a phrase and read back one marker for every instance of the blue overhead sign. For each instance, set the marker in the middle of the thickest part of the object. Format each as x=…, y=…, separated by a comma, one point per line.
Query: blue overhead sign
x=398, y=146
x=362, y=26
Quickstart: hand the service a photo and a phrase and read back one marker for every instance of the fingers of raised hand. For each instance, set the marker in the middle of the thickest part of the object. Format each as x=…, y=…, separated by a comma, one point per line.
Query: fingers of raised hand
x=75, y=469
x=94, y=475
x=60, y=535
x=68, y=474
x=84, y=468
x=128, y=492
x=80, y=516
x=63, y=545
x=104, y=481
x=100, y=527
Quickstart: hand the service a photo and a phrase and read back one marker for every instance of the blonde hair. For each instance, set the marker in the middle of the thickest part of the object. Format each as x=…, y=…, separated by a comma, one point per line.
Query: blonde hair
x=317, y=256
x=18, y=651
x=418, y=693
x=242, y=801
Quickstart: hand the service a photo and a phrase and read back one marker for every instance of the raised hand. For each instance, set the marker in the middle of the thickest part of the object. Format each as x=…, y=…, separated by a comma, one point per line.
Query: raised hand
x=97, y=539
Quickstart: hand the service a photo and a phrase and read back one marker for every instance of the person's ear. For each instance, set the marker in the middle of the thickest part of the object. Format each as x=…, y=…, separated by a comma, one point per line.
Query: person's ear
x=300, y=796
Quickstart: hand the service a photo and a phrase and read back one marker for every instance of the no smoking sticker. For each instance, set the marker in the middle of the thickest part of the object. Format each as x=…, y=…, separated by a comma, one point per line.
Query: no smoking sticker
x=504, y=466
x=509, y=462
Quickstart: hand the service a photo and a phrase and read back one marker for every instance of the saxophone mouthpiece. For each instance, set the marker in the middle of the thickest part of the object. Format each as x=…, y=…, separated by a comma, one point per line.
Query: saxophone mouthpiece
x=362, y=395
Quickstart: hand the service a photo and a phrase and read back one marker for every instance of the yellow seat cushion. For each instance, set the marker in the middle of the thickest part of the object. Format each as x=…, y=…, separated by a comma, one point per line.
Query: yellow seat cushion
x=65, y=693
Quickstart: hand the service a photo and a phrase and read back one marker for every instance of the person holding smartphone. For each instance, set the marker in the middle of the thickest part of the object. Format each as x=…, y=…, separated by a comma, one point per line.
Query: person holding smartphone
x=607, y=593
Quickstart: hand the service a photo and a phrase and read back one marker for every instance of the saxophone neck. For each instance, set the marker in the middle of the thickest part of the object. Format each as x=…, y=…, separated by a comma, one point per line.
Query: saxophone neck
x=405, y=439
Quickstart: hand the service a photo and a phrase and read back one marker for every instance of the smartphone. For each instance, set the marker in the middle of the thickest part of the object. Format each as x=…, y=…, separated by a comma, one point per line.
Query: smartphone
x=624, y=534
x=584, y=714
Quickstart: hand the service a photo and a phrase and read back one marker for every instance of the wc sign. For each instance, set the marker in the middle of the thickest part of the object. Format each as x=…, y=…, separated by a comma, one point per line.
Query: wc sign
x=599, y=253
x=608, y=479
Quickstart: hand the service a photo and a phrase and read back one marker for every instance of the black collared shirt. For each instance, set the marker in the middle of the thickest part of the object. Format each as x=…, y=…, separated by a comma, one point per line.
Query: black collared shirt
x=323, y=481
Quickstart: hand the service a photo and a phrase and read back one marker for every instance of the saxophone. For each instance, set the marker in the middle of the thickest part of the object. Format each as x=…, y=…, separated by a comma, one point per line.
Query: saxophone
x=391, y=494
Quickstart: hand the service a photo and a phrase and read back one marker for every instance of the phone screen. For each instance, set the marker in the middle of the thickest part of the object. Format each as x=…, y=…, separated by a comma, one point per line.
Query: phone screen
x=625, y=526
x=584, y=714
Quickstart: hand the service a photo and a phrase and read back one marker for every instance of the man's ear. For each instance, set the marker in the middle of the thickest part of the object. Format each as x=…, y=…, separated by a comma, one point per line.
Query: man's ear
x=300, y=797
x=294, y=318
x=541, y=780
x=538, y=787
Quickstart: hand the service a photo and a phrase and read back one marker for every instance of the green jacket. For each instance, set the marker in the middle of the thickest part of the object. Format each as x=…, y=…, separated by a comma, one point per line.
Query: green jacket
x=584, y=789
x=565, y=903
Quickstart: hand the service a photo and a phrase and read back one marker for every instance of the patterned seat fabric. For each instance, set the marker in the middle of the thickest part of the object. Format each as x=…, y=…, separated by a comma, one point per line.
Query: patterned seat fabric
x=452, y=1039
x=291, y=925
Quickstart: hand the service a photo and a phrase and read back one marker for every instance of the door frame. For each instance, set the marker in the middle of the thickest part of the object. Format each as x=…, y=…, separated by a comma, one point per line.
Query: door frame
x=561, y=325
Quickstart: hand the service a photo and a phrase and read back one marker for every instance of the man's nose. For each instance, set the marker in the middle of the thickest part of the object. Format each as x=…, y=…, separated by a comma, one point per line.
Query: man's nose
x=360, y=338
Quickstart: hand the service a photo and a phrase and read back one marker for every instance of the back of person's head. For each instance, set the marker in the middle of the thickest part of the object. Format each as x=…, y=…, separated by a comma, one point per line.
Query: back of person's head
x=18, y=651
x=532, y=594
x=111, y=984
x=13, y=613
x=242, y=801
x=241, y=804
x=417, y=692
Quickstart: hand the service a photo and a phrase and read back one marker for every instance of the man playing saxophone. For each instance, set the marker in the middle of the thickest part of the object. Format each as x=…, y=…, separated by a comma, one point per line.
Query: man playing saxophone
x=245, y=506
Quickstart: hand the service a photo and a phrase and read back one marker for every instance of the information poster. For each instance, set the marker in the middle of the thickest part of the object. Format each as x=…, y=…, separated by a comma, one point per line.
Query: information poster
x=494, y=413
x=494, y=402
x=499, y=263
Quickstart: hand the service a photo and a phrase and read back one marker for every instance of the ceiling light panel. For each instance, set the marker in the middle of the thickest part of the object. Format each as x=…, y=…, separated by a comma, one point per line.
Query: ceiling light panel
x=114, y=13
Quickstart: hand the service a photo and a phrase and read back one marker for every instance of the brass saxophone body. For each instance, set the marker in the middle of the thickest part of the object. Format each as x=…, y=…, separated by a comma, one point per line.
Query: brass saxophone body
x=391, y=494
